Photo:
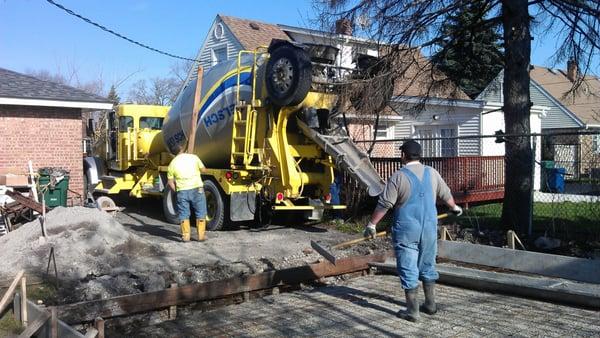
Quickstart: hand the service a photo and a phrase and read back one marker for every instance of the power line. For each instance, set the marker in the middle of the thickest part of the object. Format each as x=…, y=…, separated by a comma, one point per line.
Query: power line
x=108, y=30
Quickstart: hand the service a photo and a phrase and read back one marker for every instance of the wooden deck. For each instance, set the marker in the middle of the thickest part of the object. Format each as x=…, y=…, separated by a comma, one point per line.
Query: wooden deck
x=472, y=179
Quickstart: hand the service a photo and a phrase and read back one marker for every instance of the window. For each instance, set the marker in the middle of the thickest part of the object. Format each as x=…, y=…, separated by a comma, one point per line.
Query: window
x=441, y=141
x=124, y=123
x=384, y=131
x=154, y=123
x=219, y=55
x=596, y=143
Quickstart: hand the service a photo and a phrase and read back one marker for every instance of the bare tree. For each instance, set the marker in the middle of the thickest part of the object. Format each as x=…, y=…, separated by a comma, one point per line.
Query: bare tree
x=159, y=91
x=402, y=26
x=71, y=78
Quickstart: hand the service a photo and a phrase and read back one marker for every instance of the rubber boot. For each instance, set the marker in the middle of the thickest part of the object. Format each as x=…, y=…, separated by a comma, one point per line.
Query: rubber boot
x=429, y=307
x=412, y=306
x=185, y=230
x=201, y=227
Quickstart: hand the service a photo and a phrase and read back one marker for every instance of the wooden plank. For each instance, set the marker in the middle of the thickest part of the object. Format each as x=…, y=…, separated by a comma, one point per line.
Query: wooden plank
x=11, y=290
x=53, y=323
x=130, y=304
x=35, y=326
x=24, y=301
x=195, y=111
x=579, y=269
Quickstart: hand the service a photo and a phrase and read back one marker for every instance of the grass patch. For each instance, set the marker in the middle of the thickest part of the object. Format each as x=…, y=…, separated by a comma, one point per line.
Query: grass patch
x=45, y=292
x=561, y=217
x=9, y=325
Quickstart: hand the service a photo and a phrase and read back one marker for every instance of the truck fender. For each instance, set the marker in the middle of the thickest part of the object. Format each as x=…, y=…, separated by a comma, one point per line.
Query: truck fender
x=93, y=168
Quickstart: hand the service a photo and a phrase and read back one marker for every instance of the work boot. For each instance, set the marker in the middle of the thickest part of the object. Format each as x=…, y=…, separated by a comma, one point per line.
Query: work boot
x=201, y=227
x=412, y=306
x=185, y=230
x=429, y=307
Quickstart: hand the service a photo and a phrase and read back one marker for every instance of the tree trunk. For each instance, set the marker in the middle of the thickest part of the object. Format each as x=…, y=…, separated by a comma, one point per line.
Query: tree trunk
x=517, y=206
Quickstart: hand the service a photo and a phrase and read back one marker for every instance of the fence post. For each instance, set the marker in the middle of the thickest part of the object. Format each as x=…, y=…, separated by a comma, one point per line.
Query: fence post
x=530, y=219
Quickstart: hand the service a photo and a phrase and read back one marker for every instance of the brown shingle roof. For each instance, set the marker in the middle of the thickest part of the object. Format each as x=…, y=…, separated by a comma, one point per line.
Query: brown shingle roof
x=253, y=34
x=421, y=78
x=585, y=102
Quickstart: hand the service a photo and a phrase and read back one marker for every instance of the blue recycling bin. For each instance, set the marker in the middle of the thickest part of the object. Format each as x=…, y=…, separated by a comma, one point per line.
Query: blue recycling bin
x=556, y=179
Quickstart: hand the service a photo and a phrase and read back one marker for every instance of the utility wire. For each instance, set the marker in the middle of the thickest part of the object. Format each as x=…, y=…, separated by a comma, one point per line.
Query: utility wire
x=117, y=34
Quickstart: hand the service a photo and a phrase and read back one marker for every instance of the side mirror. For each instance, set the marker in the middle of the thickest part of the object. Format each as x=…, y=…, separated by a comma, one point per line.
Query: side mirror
x=90, y=128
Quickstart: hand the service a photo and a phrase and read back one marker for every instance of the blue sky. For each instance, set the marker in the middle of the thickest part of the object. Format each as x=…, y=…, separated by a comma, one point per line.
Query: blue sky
x=36, y=35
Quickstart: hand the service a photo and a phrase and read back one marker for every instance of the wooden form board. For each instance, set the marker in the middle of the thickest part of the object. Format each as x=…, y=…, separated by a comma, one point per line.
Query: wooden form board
x=149, y=301
x=579, y=269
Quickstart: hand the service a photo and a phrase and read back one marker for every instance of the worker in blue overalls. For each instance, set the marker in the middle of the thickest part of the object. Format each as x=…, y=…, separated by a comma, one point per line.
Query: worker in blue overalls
x=412, y=192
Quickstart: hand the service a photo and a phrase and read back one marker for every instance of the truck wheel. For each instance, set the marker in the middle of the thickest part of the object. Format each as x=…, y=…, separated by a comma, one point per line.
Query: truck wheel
x=215, y=207
x=288, y=75
x=169, y=202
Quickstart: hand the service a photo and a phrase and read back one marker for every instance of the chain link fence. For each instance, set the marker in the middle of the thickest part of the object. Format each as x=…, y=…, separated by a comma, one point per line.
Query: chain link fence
x=566, y=180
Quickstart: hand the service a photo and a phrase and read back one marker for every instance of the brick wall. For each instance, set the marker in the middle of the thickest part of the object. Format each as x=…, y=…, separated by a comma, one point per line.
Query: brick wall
x=364, y=131
x=50, y=137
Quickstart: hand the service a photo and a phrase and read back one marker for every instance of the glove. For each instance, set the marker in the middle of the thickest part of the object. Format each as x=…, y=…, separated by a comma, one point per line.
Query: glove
x=370, y=231
x=456, y=210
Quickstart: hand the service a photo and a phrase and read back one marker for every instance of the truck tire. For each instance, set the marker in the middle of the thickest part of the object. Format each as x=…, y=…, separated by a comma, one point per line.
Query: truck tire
x=169, y=202
x=215, y=206
x=288, y=75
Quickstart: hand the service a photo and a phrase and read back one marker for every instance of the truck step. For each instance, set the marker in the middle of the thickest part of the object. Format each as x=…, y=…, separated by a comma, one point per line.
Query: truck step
x=103, y=191
x=108, y=178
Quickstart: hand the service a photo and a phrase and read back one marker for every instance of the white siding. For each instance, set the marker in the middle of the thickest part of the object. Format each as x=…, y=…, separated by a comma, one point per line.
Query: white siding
x=491, y=122
x=465, y=120
x=205, y=54
x=556, y=117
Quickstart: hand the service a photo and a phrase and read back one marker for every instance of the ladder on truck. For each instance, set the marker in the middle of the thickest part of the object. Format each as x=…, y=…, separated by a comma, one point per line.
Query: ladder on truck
x=243, y=138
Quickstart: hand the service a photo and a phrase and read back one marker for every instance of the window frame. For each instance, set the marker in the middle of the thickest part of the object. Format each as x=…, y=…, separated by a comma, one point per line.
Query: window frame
x=213, y=54
x=162, y=119
x=130, y=123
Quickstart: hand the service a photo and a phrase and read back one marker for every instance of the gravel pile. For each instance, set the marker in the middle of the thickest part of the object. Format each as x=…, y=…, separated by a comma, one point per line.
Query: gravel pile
x=87, y=242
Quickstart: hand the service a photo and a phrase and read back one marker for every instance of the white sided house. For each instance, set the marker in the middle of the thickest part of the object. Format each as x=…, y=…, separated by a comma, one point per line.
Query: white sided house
x=444, y=115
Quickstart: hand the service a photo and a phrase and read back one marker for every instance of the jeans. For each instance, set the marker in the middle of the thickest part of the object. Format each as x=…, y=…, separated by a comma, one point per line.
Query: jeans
x=193, y=198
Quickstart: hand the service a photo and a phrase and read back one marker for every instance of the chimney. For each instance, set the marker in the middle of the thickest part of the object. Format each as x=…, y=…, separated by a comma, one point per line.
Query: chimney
x=572, y=70
x=343, y=26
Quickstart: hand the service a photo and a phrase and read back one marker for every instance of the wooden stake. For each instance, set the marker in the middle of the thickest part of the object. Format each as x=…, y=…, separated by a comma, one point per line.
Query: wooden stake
x=173, y=308
x=34, y=191
x=445, y=235
x=24, y=301
x=196, y=108
x=43, y=218
x=11, y=290
x=510, y=239
x=53, y=323
x=99, y=325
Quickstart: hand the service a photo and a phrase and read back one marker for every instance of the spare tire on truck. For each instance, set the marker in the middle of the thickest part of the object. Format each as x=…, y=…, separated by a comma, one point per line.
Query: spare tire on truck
x=288, y=74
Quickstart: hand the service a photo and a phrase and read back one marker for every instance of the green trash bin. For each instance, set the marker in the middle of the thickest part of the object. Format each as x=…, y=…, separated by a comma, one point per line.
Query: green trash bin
x=54, y=195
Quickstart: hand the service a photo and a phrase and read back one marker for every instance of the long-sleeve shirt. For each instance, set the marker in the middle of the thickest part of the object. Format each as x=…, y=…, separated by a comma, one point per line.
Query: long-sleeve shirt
x=397, y=189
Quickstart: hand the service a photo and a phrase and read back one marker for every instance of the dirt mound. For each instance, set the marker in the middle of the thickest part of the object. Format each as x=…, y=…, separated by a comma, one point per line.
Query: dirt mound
x=86, y=242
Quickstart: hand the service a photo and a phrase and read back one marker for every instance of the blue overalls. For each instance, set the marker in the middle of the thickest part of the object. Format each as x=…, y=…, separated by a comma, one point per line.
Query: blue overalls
x=414, y=233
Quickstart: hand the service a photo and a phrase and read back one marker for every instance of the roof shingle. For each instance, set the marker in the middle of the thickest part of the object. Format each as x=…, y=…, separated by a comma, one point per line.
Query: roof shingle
x=17, y=85
x=253, y=34
x=585, y=102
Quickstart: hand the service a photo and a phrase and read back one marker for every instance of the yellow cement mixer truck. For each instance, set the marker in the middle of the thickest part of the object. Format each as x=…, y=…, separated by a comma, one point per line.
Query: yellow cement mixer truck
x=265, y=129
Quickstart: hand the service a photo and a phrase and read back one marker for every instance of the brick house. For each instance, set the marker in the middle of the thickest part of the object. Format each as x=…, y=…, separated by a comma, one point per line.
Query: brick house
x=41, y=121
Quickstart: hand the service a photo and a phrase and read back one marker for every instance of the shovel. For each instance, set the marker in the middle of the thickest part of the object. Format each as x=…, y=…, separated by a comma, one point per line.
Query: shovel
x=327, y=254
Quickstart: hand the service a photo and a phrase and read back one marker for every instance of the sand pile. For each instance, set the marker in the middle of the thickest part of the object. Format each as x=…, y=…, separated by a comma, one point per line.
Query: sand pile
x=87, y=242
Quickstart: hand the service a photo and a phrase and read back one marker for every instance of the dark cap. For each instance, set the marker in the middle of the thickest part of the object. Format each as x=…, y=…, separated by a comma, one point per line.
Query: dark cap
x=411, y=147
